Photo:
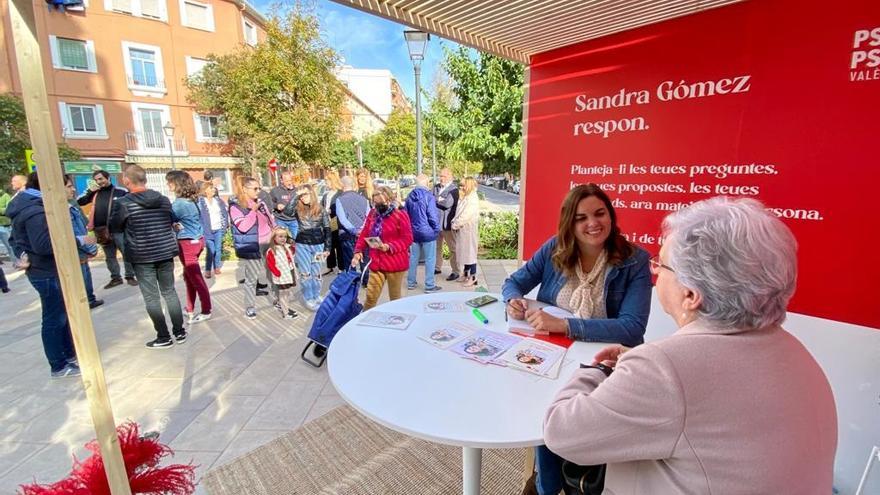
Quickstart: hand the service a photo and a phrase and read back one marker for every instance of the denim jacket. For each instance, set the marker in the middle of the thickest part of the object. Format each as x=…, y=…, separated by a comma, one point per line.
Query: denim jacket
x=186, y=213
x=627, y=296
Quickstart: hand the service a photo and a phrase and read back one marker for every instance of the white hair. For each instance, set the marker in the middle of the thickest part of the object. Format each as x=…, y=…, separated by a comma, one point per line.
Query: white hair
x=347, y=183
x=739, y=257
x=422, y=180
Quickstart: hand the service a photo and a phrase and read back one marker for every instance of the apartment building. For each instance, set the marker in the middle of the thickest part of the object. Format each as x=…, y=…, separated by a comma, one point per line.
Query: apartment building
x=115, y=76
x=371, y=96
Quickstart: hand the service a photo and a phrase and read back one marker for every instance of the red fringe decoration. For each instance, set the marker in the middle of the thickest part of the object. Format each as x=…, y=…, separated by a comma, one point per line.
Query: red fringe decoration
x=141, y=456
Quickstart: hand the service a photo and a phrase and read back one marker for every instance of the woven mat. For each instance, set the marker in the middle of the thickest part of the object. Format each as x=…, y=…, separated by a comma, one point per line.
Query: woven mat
x=343, y=452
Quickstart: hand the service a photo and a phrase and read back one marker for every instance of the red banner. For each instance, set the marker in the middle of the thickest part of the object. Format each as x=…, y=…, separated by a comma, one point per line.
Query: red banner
x=776, y=100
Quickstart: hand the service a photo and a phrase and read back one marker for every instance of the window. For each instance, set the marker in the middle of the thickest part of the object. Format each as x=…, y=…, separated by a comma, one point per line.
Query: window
x=197, y=15
x=148, y=121
x=72, y=54
x=208, y=129
x=150, y=9
x=82, y=121
x=250, y=33
x=143, y=66
x=195, y=65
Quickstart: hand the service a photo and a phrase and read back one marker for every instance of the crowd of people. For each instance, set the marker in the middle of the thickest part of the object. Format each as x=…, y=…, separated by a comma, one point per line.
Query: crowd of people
x=284, y=238
x=730, y=403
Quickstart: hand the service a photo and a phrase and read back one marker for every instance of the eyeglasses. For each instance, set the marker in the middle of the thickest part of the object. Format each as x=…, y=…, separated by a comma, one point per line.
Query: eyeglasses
x=656, y=265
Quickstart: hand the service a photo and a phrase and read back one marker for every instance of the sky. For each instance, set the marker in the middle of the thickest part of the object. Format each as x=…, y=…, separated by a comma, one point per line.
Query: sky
x=369, y=42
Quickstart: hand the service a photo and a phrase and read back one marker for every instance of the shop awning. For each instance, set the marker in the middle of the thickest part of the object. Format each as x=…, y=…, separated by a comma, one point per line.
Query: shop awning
x=518, y=29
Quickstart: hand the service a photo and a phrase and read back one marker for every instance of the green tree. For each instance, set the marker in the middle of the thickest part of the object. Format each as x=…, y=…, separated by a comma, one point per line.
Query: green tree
x=279, y=99
x=14, y=139
x=392, y=151
x=481, y=121
x=343, y=153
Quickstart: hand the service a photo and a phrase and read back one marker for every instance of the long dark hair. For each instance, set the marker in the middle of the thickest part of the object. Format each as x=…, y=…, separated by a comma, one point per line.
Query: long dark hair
x=565, y=258
x=184, y=187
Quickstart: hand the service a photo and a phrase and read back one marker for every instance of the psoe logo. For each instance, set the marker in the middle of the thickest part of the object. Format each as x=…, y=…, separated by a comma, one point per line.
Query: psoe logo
x=864, y=64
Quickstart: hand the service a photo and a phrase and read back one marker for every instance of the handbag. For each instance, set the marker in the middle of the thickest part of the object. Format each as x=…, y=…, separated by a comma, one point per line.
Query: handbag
x=583, y=480
x=102, y=233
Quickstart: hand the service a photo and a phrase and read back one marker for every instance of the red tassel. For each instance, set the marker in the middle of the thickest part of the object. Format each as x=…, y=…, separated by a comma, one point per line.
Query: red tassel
x=141, y=457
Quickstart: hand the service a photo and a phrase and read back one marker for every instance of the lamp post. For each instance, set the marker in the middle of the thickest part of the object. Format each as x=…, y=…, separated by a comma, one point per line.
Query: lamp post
x=417, y=43
x=168, y=129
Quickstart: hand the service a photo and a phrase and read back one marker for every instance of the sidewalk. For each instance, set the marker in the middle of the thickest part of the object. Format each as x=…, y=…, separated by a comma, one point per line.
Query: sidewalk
x=233, y=386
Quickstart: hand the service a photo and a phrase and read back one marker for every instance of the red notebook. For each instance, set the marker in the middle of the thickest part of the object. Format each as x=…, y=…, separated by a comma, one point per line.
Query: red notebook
x=554, y=338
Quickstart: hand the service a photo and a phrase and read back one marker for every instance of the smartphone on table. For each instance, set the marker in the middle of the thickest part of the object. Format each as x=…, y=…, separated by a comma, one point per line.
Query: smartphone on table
x=480, y=301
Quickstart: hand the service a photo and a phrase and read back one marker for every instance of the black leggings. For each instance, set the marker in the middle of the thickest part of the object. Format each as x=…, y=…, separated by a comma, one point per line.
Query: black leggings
x=470, y=269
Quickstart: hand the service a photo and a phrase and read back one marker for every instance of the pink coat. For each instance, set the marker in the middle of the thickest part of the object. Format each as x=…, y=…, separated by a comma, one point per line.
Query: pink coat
x=703, y=412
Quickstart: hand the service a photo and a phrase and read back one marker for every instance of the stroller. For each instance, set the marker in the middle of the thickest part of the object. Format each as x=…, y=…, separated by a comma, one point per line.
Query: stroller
x=338, y=308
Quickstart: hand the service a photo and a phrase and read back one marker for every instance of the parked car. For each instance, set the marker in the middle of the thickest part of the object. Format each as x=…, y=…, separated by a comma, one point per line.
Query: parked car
x=407, y=181
x=386, y=182
x=515, y=187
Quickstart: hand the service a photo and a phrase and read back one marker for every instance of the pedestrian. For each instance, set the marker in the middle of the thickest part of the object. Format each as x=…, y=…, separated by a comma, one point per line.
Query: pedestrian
x=145, y=216
x=282, y=195
x=30, y=239
x=280, y=261
x=252, y=226
x=466, y=228
x=351, y=211
x=311, y=241
x=390, y=256
x=215, y=220
x=191, y=241
x=425, y=219
x=102, y=195
x=365, y=184
x=5, y=224
x=86, y=246
x=328, y=202
x=447, y=202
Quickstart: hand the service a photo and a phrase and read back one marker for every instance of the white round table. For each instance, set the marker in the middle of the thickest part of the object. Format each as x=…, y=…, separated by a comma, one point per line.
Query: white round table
x=404, y=383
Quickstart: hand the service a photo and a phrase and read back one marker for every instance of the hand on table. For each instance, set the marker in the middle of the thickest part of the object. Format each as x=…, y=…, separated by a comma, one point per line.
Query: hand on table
x=544, y=322
x=609, y=355
x=516, y=309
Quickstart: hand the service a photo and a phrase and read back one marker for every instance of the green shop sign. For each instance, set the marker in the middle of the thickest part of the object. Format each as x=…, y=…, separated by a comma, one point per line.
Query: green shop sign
x=89, y=167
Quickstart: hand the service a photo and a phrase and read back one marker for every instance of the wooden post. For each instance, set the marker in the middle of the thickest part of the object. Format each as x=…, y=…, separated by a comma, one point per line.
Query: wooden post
x=523, y=166
x=36, y=104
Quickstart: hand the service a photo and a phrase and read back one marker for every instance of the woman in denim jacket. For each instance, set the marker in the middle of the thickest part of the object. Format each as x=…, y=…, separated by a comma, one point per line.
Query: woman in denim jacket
x=591, y=270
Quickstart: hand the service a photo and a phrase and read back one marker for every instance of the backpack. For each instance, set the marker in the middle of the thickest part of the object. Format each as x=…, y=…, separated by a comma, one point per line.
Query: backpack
x=339, y=307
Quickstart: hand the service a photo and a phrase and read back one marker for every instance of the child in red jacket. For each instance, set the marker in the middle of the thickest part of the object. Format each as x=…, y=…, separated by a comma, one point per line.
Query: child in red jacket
x=279, y=261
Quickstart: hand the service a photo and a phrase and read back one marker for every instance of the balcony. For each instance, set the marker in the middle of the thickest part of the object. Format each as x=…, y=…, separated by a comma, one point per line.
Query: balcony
x=153, y=144
x=147, y=86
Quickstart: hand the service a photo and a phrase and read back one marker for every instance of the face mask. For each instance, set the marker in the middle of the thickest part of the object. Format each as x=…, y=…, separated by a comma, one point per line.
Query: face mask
x=382, y=208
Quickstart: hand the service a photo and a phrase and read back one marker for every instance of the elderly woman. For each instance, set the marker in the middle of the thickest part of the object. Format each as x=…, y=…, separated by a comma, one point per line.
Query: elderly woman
x=390, y=253
x=730, y=403
x=591, y=270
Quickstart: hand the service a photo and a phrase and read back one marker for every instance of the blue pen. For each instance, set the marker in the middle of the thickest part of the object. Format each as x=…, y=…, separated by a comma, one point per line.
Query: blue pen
x=480, y=316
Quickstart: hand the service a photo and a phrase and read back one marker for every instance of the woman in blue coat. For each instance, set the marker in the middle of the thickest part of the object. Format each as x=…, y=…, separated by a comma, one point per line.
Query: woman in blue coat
x=589, y=269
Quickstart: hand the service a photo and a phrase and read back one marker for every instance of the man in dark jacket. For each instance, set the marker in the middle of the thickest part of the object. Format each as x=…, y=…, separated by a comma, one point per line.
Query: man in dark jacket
x=447, y=202
x=102, y=195
x=144, y=216
x=422, y=209
x=30, y=236
x=282, y=196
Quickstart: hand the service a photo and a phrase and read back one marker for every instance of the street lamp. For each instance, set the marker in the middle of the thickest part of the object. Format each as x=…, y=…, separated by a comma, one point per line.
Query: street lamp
x=168, y=129
x=417, y=43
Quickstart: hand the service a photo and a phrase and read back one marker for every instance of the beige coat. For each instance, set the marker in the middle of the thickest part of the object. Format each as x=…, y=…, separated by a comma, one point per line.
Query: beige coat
x=703, y=412
x=466, y=224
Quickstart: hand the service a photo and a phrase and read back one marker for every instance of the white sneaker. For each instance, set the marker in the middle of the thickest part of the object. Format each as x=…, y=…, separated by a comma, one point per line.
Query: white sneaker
x=312, y=305
x=200, y=318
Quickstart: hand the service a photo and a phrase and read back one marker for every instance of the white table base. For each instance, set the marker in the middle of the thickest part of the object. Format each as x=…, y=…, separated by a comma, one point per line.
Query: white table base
x=472, y=463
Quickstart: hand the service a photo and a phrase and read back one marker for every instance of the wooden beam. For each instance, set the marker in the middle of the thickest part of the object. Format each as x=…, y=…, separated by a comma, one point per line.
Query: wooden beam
x=36, y=104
